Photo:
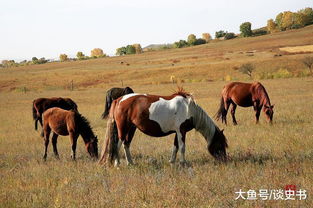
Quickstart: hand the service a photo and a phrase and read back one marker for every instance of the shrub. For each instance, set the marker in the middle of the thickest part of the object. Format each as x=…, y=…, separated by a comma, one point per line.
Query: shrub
x=180, y=44
x=200, y=41
x=220, y=34
x=247, y=69
x=229, y=36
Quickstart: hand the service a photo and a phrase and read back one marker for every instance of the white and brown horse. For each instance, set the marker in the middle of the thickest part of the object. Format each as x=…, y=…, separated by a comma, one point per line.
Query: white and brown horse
x=159, y=116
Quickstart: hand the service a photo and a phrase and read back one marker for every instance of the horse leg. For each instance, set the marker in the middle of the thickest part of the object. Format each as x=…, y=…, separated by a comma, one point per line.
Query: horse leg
x=54, y=143
x=117, y=158
x=233, y=110
x=126, y=144
x=257, y=110
x=181, y=146
x=40, y=121
x=174, y=150
x=224, y=114
x=46, y=140
x=74, y=143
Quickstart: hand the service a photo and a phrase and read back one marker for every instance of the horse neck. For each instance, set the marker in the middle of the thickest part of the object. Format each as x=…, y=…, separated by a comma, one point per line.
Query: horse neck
x=202, y=122
x=265, y=100
x=85, y=130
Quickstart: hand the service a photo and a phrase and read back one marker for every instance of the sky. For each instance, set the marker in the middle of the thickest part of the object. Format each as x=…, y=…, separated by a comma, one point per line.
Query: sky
x=48, y=28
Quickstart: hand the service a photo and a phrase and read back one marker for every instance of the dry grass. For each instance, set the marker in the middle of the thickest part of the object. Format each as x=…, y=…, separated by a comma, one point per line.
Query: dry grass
x=262, y=156
x=297, y=49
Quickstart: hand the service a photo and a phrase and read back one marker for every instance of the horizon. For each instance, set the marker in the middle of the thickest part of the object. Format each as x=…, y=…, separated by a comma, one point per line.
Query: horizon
x=31, y=29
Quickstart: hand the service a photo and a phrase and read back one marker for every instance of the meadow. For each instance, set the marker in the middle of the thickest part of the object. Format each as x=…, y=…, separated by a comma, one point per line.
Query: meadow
x=261, y=156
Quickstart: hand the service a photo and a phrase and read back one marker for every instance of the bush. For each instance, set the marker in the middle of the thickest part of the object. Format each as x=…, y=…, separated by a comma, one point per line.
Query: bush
x=247, y=69
x=282, y=73
x=200, y=41
x=229, y=36
x=180, y=44
x=220, y=34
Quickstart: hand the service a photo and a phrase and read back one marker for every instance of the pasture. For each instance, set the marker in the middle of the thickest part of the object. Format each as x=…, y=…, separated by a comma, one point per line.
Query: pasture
x=261, y=156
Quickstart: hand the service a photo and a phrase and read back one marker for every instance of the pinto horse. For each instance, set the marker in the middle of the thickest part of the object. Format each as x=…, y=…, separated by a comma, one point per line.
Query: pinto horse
x=245, y=95
x=159, y=116
x=113, y=94
x=64, y=122
x=42, y=104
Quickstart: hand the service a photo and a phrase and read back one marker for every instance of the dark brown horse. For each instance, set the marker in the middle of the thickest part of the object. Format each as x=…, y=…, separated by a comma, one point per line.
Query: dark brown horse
x=63, y=122
x=159, y=116
x=40, y=105
x=113, y=94
x=245, y=95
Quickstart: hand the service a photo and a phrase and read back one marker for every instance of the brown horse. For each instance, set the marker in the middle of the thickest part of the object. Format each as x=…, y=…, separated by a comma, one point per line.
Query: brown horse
x=40, y=105
x=63, y=122
x=113, y=94
x=159, y=116
x=245, y=95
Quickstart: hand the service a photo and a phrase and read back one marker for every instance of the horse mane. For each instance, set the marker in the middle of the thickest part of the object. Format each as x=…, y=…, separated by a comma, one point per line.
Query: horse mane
x=201, y=121
x=262, y=91
x=181, y=91
x=84, y=126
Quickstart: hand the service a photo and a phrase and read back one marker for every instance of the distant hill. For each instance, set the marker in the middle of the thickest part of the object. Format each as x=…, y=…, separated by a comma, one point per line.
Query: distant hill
x=157, y=46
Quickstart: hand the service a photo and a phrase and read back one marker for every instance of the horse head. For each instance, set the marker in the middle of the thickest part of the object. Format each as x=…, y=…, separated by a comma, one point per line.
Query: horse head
x=268, y=110
x=92, y=147
x=218, y=145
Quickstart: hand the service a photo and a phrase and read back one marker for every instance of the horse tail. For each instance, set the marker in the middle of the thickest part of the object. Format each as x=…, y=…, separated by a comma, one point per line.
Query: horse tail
x=108, y=102
x=221, y=111
x=110, y=145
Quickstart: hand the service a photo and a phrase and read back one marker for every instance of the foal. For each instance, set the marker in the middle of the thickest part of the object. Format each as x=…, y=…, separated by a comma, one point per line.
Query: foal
x=63, y=122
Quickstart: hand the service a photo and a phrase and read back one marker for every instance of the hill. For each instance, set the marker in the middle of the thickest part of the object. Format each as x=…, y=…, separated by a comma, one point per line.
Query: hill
x=214, y=61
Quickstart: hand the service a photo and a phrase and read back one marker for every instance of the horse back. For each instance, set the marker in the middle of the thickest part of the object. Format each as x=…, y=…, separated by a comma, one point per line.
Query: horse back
x=239, y=93
x=59, y=120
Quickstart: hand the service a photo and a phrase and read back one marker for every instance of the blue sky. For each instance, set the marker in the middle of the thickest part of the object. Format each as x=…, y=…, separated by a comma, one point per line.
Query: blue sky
x=47, y=28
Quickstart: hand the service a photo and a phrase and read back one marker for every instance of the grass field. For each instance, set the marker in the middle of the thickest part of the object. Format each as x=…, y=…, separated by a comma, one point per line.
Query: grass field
x=261, y=156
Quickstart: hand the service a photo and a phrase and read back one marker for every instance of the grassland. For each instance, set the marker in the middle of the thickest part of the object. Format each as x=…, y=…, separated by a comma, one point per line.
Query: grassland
x=261, y=156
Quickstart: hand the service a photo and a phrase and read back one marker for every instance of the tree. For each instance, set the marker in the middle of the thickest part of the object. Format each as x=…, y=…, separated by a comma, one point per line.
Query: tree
x=42, y=60
x=63, y=57
x=80, y=55
x=207, y=37
x=271, y=26
x=97, y=53
x=308, y=13
x=308, y=62
x=130, y=49
x=121, y=51
x=35, y=60
x=246, y=69
x=180, y=44
x=220, y=34
x=245, y=29
x=138, y=48
x=287, y=20
x=191, y=39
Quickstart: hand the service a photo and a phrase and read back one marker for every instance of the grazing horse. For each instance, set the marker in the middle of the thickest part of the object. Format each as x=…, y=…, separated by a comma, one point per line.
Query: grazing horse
x=245, y=95
x=64, y=122
x=159, y=116
x=40, y=105
x=113, y=94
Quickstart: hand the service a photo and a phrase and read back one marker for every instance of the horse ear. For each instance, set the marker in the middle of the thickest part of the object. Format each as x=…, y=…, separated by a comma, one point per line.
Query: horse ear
x=272, y=106
x=222, y=130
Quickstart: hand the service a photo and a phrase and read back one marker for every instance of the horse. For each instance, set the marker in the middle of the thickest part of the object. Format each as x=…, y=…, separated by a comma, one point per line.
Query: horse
x=113, y=94
x=159, y=116
x=64, y=122
x=42, y=104
x=245, y=95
